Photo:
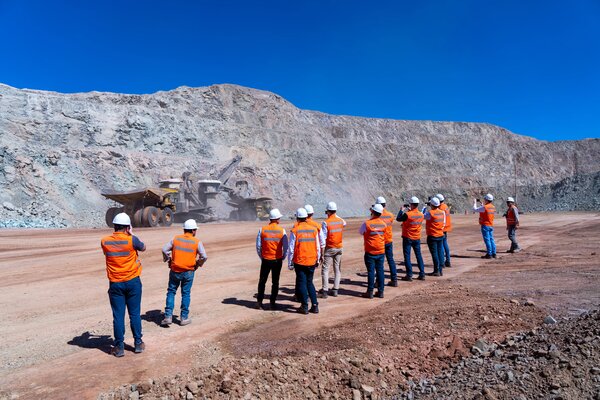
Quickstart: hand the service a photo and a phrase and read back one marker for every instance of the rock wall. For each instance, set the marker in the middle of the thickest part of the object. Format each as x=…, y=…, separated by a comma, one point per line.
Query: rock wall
x=58, y=151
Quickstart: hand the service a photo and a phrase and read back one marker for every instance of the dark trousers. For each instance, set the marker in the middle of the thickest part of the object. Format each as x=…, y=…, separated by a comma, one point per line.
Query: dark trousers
x=267, y=267
x=126, y=295
x=512, y=235
x=375, y=275
x=436, y=247
x=389, y=255
x=407, y=244
x=305, y=287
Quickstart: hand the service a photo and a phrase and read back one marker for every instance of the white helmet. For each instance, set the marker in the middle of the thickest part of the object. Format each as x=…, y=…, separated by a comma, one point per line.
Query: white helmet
x=380, y=200
x=440, y=196
x=190, y=224
x=489, y=197
x=414, y=200
x=301, y=213
x=378, y=208
x=434, y=201
x=122, y=219
x=275, y=214
x=331, y=206
x=510, y=199
x=309, y=209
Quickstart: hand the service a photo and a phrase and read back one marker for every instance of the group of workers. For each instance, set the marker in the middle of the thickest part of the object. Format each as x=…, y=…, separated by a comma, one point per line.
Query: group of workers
x=309, y=245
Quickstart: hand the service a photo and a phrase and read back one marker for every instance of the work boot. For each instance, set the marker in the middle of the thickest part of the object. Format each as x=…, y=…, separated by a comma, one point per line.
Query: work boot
x=367, y=295
x=447, y=264
x=166, y=321
x=139, y=347
x=314, y=309
x=323, y=294
x=303, y=309
x=434, y=273
x=487, y=256
x=273, y=307
x=494, y=255
x=379, y=294
x=259, y=306
x=393, y=283
x=185, y=321
x=118, y=351
x=333, y=292
x=421, y=277
x=518, y=249
x=407, y=278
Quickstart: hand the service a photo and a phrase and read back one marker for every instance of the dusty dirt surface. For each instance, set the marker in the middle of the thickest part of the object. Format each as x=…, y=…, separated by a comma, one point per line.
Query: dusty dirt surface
x=54, y=293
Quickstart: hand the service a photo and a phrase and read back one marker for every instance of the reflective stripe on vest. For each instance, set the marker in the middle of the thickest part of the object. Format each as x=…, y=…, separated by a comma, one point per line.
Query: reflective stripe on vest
x=271, y=247
x=411, y=227
x=487, y=216
x=122, y=263
x=305, y=246
x=374, y=240
x=388, y=218
x=510, y=217
x=435, y=226
x=335, y=229
x=446, y=209
x=183, y=256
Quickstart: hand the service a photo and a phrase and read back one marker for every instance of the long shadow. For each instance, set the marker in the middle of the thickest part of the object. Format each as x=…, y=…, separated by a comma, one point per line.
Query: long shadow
x=252, y=304
x=89, y=341
x=153, y=316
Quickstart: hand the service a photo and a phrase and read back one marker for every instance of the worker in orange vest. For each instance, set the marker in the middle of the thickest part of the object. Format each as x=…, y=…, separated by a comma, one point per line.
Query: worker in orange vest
x=412, y=222
x=388, y=218
x=271, y=247
x=435, y=220
x=447, y=228
x=512, y=224
x=304, y=252
x=123, y=268
x=310, y=211
x=487, y=211
x=373, y=231
x=184, y=255
x=332, y=230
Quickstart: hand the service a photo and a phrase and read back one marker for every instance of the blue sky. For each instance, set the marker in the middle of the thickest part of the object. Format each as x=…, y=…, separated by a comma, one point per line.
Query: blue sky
x=532, y=67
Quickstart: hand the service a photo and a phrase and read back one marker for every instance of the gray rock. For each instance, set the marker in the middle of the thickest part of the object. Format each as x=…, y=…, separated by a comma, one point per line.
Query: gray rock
x=549, y=320
x=9, y=206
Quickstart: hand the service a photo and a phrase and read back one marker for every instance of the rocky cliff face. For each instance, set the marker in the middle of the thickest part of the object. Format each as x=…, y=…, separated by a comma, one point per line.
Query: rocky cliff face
x=58, y=151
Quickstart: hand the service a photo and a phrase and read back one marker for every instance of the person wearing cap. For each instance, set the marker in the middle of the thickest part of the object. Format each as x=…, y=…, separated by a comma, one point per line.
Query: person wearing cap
x=332, y=230
x=447, y=228
x=304, y=252
x=412, y=222
x=486, y=220
x=373, y=231
x=271, y=247
x=435, y=220
x=512, y=224
x=123, y=268
x=388, y=218
x=184, y=254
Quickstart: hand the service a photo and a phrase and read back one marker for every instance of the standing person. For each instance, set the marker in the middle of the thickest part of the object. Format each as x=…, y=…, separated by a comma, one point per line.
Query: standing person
x=304, y=252
x=123, y=268
x=435, y=220
x=388, y=218
x=271, y=247
x=447, y=228
x=373, y=231
x=512, y=224
x=309, y=219
x=412, y=222
x=486, y=220
x=332, y=229
x=184, y=254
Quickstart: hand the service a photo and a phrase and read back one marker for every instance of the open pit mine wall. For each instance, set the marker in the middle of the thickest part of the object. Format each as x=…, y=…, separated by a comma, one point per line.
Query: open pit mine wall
x=58, y=151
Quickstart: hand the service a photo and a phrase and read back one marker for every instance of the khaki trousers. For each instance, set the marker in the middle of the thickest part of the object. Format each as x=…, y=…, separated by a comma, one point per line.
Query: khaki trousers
x=332, y=255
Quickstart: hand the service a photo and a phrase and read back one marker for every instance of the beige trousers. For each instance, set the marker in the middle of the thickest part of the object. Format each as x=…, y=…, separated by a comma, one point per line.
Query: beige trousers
x=332, y=255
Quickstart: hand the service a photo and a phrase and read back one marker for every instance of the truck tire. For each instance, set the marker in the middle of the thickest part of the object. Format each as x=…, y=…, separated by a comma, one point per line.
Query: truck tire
x=166, y=217
x=137, y=218
x=110, y=214
x=150, y=216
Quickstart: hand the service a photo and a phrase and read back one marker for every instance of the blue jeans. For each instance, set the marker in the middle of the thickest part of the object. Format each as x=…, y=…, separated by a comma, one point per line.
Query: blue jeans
x=375, y=275
x=407, y=244
x=436, y=248
x=175, y=279
x=304, y=284
x=389, y=255
x=126, y=294
x=446, y=248
x=488, y=238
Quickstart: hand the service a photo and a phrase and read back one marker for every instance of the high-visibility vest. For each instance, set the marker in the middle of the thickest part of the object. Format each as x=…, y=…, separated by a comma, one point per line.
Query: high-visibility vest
x=183, y=254
x=305, y=246
x=511, y=219
x=487, y=216
x=312, y=222
x=444, y=207
x=435, y=225
x=335, y=231
x=122, y=263
x=411, y=227
x=271, y=245
x=388, y=218
x=374, y=236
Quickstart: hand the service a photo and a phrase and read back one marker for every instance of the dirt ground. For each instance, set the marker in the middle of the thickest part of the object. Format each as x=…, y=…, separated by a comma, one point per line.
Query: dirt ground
x=58, y=322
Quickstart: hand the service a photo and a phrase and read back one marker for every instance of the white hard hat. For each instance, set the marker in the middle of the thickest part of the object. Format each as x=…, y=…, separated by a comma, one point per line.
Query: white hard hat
x=309, y=209
x=378, y=208
x=380, y=200
x=489, y=197
x=510, y=199
x=301, y=213
x=122, y=219
x=440, y=196
x=435, y=201
x=190, y=224
x=331, y=206
x=414, y=200
x=275, y=214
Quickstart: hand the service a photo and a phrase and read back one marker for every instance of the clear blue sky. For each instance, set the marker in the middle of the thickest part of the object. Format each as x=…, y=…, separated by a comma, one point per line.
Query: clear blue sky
x=532, y=67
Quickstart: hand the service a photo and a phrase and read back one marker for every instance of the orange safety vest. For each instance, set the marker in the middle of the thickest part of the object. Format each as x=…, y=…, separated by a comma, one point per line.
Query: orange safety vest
x=271, y=245
x=122, y=262
x=305, y=246
x=444, y=207
x=311, y=222
x=487, y=216
x=435, y=225
x=183, y=255
x=388, y=218
x=411, y=228
x=335, y=230
x=374, y=236
x=510, y=217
